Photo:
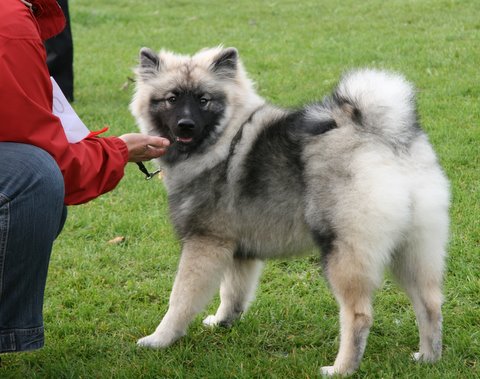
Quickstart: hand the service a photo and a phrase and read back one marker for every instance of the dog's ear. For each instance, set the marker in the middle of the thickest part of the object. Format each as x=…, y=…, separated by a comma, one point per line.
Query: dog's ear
x=225, y=64
x=149, y=63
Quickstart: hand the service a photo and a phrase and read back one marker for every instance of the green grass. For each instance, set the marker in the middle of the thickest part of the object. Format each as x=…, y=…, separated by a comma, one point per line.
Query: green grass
x=101, y=297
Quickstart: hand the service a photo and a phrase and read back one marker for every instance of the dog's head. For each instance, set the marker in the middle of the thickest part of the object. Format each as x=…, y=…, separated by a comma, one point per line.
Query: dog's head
x=187, y=99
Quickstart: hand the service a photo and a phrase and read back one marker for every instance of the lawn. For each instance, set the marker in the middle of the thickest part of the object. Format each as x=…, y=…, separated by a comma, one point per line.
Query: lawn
x=101, y=297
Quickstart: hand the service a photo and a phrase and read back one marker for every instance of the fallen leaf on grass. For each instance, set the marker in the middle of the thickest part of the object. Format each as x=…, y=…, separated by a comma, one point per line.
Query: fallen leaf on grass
x=117, y=240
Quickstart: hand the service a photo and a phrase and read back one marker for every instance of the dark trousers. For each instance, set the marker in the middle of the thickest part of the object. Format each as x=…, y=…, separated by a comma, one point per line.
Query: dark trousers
x=60, y=55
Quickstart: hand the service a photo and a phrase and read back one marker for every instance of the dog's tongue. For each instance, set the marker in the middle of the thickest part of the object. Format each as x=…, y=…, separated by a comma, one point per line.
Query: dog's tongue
x=184, y=139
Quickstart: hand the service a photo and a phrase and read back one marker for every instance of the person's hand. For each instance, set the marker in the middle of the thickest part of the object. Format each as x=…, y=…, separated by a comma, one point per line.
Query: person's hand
x=143, y=148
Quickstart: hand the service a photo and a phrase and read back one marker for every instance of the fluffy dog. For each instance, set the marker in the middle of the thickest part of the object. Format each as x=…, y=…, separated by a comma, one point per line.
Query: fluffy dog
x=353, y=175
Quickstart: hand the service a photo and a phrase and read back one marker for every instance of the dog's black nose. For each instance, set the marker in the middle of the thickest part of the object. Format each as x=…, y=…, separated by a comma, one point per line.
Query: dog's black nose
x=186, y=123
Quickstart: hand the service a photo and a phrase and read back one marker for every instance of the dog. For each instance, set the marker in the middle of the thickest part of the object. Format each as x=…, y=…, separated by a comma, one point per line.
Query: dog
x=353, y=176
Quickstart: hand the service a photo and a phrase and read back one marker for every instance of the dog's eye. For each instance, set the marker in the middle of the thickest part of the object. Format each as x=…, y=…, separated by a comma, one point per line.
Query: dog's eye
x=172, y=99
x=204, y=101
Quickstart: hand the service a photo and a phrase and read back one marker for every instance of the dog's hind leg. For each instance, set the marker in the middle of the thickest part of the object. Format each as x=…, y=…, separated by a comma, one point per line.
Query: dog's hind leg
x=418, y=264
x=201, y=267
x=418, y=267
x=353, y=281
x=237, y=290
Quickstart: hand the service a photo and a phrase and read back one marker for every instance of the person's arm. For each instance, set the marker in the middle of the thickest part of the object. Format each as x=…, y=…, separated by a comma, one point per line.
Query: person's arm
x=90, y=167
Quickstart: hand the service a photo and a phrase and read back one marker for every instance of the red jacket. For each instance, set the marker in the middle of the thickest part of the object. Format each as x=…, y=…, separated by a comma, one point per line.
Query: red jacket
x=90, y=167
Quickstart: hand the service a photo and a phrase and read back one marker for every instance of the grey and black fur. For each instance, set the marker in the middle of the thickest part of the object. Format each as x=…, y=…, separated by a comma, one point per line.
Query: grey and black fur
x=353, y=175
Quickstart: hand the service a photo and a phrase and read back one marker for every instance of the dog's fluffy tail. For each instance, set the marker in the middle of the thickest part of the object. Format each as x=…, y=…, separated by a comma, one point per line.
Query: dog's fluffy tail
x=379, y=102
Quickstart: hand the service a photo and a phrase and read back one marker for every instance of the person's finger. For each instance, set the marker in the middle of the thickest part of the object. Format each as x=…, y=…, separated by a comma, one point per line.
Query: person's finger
x=154, y=152
x=158, y=142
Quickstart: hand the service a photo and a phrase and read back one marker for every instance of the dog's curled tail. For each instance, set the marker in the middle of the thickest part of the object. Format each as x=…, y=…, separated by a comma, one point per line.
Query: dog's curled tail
x=380, y=102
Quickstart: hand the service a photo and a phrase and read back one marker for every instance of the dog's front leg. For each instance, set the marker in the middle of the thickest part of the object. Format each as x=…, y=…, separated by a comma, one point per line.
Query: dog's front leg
x=201, y=267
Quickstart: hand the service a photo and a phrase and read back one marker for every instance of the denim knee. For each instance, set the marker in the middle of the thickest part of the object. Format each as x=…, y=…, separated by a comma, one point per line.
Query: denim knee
x=30, y=168
x=44, y=173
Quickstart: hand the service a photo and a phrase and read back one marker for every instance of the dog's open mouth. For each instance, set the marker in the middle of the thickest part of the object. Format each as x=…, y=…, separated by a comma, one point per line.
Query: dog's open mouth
x=184, y=140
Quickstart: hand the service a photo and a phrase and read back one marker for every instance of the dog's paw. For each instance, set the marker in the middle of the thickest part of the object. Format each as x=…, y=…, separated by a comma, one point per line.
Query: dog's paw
x=210, y=321
x=425, y=358
x=152, y=341
x=157, y=341
x=334, y=371
x=328, y=371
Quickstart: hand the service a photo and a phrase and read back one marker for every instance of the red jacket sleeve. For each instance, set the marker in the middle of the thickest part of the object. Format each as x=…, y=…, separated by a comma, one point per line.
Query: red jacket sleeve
x=90, y=167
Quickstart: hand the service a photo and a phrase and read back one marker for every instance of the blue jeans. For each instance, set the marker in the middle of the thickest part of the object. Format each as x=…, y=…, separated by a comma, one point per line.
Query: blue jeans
x=32, y=214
